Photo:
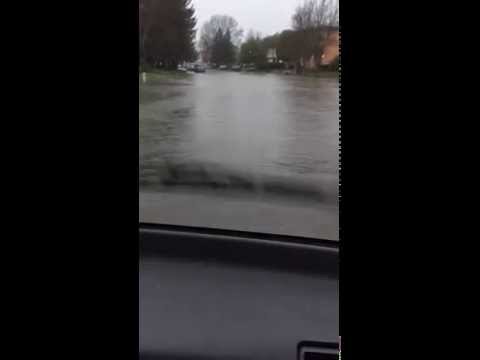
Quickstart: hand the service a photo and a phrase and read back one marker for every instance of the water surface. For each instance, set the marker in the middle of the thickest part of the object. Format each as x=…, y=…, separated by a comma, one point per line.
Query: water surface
x=256, y=152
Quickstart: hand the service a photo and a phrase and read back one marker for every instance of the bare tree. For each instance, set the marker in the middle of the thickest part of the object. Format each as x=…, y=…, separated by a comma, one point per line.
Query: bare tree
x=253, y=34
x=320, y=12
x=303, y=18
x=315, y=14
x=313, y=21
x=333, y=15
x=210, y=28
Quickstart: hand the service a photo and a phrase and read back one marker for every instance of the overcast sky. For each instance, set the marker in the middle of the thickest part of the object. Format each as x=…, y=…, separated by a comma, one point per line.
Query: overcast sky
x=265, y=16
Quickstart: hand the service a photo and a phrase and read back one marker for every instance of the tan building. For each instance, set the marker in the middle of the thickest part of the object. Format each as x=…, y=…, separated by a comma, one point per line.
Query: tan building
x=332, y=48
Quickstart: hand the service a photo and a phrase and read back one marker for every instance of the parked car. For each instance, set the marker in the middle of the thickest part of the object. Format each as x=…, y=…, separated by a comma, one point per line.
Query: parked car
x=236, y=67
x=223, y=67
x=199, y=68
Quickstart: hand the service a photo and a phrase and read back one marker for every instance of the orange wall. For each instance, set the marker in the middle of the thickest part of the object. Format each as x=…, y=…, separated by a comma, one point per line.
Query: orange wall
x=331, y=48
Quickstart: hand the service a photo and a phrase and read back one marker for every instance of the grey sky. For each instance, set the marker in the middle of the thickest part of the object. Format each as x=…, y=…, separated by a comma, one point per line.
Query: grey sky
x=265, y=16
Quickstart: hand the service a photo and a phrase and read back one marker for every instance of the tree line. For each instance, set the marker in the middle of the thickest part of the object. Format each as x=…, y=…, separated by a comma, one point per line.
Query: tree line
x=167, y=32
x=312, y=22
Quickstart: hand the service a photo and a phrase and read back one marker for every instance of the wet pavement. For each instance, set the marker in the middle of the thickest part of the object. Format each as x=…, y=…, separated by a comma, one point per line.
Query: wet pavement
x=245, y=151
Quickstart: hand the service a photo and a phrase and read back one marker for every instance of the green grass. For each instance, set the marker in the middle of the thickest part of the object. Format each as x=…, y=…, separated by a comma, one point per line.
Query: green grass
x=167, y=74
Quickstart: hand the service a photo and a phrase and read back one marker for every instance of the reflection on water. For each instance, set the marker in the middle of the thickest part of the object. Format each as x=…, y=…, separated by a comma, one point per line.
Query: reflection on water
x=264, y=134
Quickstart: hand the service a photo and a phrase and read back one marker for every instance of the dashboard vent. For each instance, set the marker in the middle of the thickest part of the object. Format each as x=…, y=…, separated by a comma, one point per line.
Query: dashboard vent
x=315, y=350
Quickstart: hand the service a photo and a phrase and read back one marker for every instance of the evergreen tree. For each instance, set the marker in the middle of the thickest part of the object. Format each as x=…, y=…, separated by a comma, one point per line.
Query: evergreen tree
x=209, y=31
x=223, y=50
x=253, y=50
x=167, y=32
x=228, y=49
x=217, y=48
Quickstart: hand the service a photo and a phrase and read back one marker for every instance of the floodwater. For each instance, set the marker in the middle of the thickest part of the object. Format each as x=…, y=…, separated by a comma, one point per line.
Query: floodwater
x=243, y=151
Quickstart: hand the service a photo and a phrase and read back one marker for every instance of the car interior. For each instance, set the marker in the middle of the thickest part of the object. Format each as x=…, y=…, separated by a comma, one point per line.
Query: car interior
x=221, y=294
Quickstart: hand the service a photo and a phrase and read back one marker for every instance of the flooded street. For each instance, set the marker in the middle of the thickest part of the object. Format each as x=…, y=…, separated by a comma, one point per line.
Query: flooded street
x=244, y=151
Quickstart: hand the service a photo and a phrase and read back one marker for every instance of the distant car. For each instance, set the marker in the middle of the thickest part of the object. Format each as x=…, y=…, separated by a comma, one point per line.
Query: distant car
x=198, y=68
x=223, y=67
x=236, y=68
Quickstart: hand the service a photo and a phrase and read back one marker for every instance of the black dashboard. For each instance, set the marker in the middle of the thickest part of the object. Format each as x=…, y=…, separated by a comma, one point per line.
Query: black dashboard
x=211, y=294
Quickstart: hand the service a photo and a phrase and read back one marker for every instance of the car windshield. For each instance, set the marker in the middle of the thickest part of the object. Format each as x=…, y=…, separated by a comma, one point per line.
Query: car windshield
x=239, y=115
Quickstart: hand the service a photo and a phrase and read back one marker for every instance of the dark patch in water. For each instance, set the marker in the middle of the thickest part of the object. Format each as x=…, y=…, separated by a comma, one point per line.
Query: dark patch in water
x=213, y=177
